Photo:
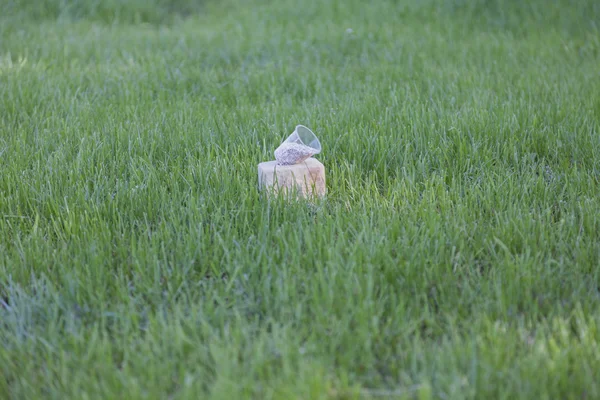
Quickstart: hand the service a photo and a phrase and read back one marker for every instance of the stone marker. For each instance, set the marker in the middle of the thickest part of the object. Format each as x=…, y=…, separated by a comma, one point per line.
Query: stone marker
x=303, y=180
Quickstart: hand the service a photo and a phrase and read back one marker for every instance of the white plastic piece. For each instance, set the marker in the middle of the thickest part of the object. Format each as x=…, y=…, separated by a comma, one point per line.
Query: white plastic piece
x=299, y=146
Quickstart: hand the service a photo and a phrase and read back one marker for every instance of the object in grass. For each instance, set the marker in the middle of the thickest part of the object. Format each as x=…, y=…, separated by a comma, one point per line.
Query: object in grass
x=295, y=173
x=304, y=180
x=299, y=146
x=292, y=153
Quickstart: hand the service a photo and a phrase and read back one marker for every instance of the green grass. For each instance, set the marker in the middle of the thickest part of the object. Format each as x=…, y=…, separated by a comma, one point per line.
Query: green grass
x=457, y=254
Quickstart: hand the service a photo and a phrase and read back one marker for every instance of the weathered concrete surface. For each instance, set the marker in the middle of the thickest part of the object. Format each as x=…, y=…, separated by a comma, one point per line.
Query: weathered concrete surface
x=305, y=180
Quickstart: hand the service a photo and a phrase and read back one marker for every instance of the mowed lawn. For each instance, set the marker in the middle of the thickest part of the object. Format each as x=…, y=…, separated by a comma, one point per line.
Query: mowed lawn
x=456, y=256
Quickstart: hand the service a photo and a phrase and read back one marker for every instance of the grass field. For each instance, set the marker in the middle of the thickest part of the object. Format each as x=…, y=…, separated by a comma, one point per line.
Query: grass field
x=457, y=255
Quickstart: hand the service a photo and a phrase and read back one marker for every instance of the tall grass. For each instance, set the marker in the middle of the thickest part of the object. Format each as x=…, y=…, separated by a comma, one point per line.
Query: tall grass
x=457, y=252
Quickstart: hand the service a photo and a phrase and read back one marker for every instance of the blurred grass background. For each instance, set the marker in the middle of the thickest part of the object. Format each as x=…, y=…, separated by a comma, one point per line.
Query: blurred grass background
x=457, y=253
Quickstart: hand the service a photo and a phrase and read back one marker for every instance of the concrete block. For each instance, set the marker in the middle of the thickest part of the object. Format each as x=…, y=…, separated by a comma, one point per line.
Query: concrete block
x=303, y=180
